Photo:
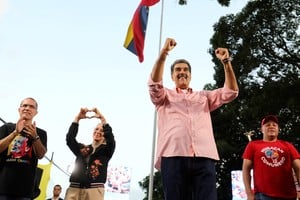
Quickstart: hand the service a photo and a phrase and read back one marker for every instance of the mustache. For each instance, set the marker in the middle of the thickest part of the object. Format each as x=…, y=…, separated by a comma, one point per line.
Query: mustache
x=182, y=75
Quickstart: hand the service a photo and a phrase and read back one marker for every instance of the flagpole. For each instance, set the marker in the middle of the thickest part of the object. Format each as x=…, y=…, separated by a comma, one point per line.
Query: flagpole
x=151, y=177
x=4, y=122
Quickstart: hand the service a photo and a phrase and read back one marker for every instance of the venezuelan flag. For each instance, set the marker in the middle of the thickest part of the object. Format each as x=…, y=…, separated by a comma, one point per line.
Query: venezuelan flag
x=135, y=37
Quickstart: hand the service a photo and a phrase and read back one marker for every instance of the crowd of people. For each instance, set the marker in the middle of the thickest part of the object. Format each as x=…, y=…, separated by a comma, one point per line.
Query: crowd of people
x=22, y=144
x=186, y=151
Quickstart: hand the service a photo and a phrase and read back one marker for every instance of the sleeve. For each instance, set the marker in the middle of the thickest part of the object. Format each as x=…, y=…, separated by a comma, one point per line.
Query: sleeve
x=294, y=152
x=43, y=136
x=6, y=129
x=248, y=152
x=220, y=96
x=71, y=138
x=110, y=139
x=157, y=92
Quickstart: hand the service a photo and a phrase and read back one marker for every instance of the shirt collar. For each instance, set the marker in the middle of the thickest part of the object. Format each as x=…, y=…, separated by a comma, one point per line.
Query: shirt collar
x=188, y=90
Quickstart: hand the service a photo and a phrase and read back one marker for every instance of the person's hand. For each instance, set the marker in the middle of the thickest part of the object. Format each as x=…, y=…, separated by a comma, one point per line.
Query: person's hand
x=251, y=196
x=20, y=125
x=81, y=114
x=98, y=115
x=169, y=45
x=30, y=129
x=222, y=54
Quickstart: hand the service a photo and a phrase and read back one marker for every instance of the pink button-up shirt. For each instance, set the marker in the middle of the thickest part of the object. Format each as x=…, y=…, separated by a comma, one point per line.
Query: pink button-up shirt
x=184, y=122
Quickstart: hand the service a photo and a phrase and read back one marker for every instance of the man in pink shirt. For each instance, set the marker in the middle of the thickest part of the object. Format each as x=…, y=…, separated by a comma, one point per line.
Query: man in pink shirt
x=186, y=149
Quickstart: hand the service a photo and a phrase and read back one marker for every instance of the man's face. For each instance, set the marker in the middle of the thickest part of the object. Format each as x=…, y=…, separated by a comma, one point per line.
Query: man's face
x=28, y=109
x=56, y=191
x=270, y=130
x=181, y=75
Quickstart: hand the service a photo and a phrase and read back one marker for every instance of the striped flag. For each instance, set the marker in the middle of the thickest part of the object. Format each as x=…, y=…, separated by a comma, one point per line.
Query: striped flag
x=135, y=37
x=44, y=180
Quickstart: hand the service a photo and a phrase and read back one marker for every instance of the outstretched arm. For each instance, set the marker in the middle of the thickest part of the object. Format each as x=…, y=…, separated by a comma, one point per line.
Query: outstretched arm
x=73, y=131
x=230, y=80
x=158, y=68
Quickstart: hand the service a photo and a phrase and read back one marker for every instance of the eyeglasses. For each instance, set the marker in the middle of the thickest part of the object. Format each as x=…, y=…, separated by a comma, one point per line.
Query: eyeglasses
x=28, y=105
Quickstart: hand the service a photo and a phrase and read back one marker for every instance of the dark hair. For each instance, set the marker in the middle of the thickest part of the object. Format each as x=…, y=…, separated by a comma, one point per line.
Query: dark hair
x=57, y=185
x=180, y=61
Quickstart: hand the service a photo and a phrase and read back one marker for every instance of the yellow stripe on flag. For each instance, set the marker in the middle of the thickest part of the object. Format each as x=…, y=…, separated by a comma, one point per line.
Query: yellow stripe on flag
x=44, y=180
x=129, y=36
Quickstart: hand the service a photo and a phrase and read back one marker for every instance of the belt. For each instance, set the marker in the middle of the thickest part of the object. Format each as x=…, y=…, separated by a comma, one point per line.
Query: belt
x=86, y=185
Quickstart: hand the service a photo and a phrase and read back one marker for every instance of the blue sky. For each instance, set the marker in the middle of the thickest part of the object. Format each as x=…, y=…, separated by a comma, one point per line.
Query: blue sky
x=69, y=54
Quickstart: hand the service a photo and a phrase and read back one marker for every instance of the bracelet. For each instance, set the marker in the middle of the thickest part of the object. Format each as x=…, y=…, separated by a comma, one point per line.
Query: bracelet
x=226, y=60
x=36, y=138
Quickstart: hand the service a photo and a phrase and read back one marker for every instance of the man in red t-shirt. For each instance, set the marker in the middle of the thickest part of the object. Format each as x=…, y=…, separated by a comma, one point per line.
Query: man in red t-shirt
x=273, y=162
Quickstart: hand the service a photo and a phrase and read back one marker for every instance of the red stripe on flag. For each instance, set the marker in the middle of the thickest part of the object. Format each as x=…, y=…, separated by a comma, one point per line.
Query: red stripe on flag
x=135, y=38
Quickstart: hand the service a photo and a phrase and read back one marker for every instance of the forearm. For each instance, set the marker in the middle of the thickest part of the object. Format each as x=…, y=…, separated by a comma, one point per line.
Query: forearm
x=76, y=119
x=296, y=168
x=230, y=79
x=158, y=69
x=110, y=140
x=39, y=149
x=7, y=140
x=72, y=132
x=247, y=182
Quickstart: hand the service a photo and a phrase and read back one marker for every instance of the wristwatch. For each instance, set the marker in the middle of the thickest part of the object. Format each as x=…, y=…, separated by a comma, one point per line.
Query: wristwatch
x=36, y=138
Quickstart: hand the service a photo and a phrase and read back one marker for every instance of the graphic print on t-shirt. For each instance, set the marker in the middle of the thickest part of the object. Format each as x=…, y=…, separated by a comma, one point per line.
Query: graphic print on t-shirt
x=19, y=150
x=273, y=156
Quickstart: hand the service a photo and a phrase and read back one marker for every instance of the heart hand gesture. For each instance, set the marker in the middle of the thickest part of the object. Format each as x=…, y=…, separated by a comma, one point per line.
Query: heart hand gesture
x=98, y=115
x=84, y=113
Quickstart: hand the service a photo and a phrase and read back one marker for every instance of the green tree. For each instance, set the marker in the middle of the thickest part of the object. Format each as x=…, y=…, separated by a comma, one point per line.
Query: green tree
x=158, y=193
x=265, y=41
x=221, y=2
x=264, y=38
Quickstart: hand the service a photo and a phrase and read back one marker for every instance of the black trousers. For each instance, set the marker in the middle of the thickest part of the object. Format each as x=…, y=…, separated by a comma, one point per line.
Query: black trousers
x=189, y=178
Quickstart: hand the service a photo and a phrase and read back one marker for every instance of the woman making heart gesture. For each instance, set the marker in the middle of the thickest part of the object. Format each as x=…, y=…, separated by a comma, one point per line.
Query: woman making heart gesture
x=90, y=172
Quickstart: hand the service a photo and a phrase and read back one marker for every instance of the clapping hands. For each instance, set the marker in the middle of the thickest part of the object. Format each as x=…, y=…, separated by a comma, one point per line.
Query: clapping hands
x=28, y=129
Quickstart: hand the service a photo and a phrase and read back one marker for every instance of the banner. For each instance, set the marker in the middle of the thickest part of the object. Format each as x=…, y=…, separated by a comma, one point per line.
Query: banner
x=46, y=169
x=118, y=183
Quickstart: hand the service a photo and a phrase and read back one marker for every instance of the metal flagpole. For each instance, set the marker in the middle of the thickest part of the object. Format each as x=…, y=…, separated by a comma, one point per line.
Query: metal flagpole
x=151, y=177
x=4, y=122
